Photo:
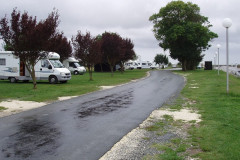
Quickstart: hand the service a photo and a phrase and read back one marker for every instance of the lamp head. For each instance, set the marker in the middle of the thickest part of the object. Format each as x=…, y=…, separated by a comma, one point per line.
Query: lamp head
x=227, y=22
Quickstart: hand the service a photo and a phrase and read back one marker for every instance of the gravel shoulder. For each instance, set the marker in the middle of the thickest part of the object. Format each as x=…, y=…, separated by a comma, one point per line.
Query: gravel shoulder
x=138, y=144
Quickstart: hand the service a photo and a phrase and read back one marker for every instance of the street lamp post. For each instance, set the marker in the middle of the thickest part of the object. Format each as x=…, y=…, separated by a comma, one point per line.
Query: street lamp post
x=227, y=22
x=218, y=47
x=214, y=58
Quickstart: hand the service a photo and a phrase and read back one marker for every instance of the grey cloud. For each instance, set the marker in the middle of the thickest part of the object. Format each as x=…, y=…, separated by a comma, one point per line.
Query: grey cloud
x=129, y=18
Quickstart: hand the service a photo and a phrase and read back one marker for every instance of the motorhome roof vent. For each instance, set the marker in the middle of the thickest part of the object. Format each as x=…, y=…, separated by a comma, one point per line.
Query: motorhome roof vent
x=53, y=55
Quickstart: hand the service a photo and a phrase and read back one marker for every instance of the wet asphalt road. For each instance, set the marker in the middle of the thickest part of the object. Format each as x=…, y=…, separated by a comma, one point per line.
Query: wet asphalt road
x=86, y=127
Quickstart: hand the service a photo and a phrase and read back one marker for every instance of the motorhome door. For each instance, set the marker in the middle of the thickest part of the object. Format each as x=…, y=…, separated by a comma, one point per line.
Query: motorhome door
x=45, y=70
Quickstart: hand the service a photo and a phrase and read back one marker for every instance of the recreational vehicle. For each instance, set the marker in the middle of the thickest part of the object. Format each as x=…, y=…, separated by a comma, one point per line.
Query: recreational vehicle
x=144, y=64
x=131, y=65
x=73, y=65
x=154, y=65
x=49, y=68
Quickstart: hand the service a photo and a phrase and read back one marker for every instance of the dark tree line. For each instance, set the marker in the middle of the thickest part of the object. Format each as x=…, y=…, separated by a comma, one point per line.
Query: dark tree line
x=108, y=48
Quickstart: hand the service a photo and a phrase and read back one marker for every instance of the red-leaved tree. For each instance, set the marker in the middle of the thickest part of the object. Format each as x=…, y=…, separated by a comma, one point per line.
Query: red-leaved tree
x=60, y=44
x=127, y=52
x=27, y=37
x=88, y=49
x=111, y=48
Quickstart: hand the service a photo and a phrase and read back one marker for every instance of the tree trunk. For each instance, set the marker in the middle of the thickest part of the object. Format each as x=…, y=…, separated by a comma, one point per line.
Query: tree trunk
x=122, y=67
x=90, y=73
x=111, y=67
x=32, y=73
x=184, y=65
x=34, y=78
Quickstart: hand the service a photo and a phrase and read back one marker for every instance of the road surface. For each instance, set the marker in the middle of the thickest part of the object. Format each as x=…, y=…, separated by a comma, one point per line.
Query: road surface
x=86, y=127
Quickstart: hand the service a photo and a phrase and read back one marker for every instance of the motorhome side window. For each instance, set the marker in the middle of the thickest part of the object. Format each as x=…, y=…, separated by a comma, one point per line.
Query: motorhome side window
x=2, y=61
x=45, y=63
x=71, y=64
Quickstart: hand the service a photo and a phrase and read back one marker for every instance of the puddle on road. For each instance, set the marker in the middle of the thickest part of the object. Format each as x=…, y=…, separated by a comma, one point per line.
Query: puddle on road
x=33, y=136
x=105, y=104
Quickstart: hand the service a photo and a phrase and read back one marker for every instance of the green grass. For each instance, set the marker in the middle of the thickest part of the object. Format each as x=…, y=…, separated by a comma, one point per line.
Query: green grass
x=171, y=150
x=78, y=85
x=217, y=136
x=2, y=108
x=219, y=133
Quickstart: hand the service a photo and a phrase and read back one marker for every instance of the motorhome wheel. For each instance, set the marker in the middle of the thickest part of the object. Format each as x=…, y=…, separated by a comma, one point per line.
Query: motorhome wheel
x=75, y=72
x=53, y=79
x=13, y=80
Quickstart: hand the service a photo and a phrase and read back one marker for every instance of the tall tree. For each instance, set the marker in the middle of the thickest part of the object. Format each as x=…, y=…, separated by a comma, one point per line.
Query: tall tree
x=27, y=37
x=161, y=59
x=112, y=48
x=127, y=52
x=60, y=44
x=180, y=28
x=88, y=49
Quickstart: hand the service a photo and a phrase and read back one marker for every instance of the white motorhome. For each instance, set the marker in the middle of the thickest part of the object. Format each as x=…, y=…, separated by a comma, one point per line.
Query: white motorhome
x=154, y=65
x=73, y=65
x=131, y=65
x=144, y=64
x=49, y=68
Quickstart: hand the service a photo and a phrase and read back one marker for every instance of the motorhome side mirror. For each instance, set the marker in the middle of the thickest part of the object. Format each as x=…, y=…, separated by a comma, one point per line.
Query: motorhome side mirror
x=49, y=67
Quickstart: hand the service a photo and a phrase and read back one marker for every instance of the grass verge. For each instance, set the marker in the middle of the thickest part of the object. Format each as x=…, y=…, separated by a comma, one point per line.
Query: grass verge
x=217, y=136
x=78, y=85
x=219, y=133
x=2, y=108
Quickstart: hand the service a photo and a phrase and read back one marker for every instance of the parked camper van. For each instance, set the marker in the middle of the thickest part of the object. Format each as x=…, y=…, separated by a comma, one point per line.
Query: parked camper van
x=73, y=65
x=154, y=65
x=131, y=65
x=49, y=68
x=144, y=64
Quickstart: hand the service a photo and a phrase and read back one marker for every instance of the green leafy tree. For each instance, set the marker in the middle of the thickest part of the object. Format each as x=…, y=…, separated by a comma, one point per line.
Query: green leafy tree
x=161, y=59
x=180, y=28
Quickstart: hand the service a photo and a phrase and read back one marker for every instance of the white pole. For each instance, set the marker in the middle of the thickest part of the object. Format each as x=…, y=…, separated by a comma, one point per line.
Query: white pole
x=218, y=61
x=227, y=60
x=227, y=22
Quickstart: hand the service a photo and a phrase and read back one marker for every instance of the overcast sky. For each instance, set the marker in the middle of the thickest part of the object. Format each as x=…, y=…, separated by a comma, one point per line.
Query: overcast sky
x=129, y=18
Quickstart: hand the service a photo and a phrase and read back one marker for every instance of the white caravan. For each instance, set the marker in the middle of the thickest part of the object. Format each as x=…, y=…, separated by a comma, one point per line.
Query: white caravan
x=49, y=68
x=154, y=65
x=144, y=64
x=131, y=65
x=73, y=65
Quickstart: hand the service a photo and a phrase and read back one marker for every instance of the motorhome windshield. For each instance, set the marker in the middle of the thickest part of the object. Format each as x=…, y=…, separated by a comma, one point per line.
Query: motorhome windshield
x=77, y=64
x=56, y=63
